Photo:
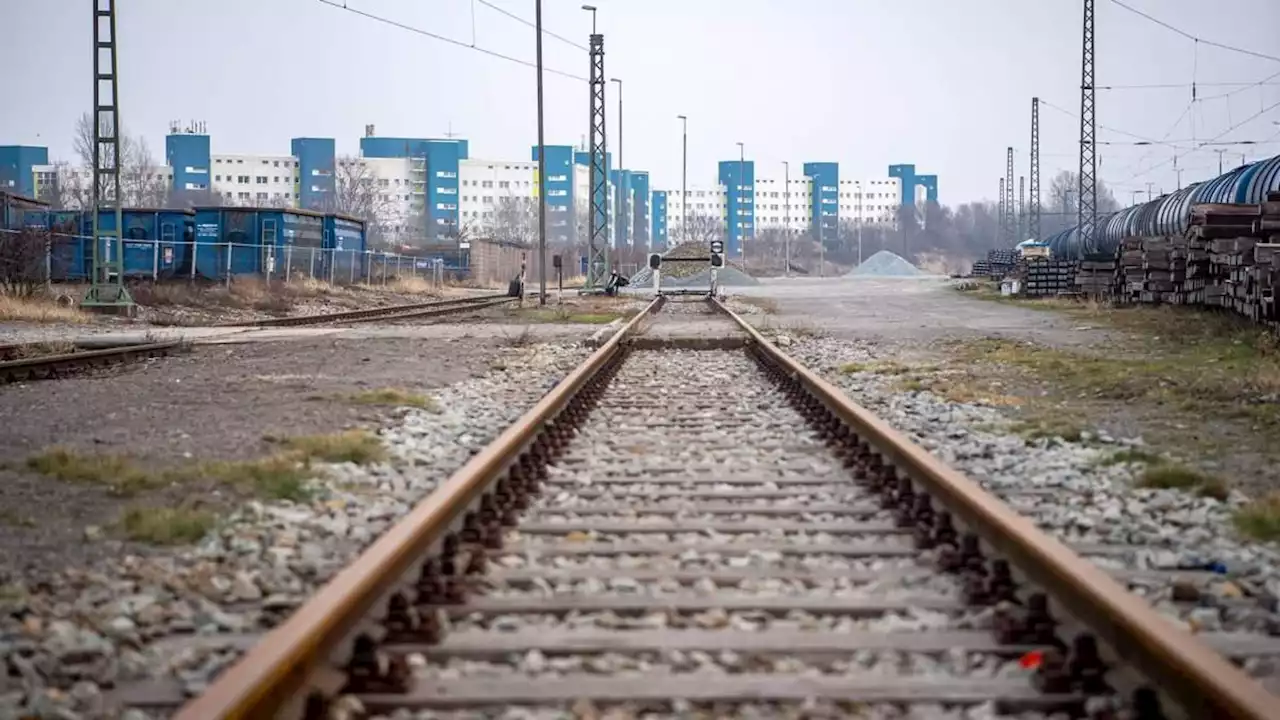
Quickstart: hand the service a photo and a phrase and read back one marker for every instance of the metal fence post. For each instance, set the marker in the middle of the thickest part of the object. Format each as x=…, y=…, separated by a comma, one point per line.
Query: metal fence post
x=288, y=263
x=195, y=255
x=155, y=260
x=230, y=251
x=353, y=267
x=311, y=264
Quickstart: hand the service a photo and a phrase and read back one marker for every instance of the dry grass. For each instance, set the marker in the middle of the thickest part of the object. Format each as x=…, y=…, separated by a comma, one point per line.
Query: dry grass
x=42, y=349
x=354, y=446
x=39, y=309
x=1170, y=476
x=394, y=397
x=166, y=525
x=412, y=285
x=281, y=476
x=1260, y=519
x=1189, y=369
x=877, y=367
x=565, y=314
x=1131, y=456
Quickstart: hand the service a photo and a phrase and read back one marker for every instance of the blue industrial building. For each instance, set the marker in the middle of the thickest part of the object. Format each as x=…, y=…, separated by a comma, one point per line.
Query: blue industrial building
x=436, y=162
x=623, y=229
x=660, y=220
x=910, y=181
x=824, y=204
x=739, y=179
x=188, y=154
x=316, y=167
x=561, y=225
x=16, y=163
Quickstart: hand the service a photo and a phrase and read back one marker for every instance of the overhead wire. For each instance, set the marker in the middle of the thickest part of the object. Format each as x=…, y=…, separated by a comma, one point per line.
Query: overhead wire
x=531, y=24
x=1189, y=36
x=447, y=39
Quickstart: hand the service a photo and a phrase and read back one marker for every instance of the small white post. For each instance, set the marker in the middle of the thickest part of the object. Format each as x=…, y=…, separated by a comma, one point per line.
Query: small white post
x=657, y=282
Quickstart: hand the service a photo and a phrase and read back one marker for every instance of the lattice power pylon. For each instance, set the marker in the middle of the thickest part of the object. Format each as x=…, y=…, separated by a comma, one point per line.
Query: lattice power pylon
x=1034, y=227
x=598, y=218
x=1010, y=209
x=1001, y=215
x=1022, y=208
x=1087, y=209
x=106, y=290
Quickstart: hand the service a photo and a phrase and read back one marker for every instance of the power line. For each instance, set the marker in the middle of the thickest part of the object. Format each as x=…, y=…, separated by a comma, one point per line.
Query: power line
x=1184, y=86
x=1210, y=141
x=1111, y=129
x=517, y=18
x=1189, y=36
x=451, y=41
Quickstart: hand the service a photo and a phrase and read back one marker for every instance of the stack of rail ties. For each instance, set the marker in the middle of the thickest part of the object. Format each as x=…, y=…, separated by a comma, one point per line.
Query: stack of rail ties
x=1154, y=270
x=1096, y=275
x=1048, y=276
x=998, y=264
x=1244, y=256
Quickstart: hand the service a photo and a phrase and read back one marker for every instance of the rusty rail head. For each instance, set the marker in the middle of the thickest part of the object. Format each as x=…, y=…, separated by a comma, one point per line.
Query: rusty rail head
x=278, y=668
x=1202, y=681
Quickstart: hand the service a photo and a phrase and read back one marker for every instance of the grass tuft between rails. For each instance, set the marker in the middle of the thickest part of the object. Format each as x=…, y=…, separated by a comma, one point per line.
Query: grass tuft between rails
x=1170, y=476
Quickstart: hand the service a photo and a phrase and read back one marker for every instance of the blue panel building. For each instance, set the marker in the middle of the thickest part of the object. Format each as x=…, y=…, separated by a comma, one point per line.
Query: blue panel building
x=188, y=155
x=824, y=205
x=660, y=220
x=16, y=161
x=436, y=163
x=316, y=165
x=583, y=157
x=910, y=181
x=641, y=237
x=560, y=201
x=740, y=216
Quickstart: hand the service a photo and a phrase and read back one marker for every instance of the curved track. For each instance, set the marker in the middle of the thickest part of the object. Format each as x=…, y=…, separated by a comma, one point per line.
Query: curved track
x=722, y=527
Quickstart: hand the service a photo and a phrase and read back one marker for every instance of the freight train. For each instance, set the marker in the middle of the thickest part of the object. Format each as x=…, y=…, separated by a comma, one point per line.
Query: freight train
x=1171, y=214
x=209, y=243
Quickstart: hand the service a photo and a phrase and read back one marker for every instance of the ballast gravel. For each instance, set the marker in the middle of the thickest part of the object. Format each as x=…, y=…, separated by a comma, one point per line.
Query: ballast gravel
x=64, y=643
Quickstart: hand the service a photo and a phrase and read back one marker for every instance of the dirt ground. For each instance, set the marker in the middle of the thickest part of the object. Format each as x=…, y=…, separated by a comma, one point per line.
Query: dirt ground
x=219, y=402
x=1193, y=385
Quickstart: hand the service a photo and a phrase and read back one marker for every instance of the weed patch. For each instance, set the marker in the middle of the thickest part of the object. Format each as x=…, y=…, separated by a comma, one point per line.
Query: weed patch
x=354, y=446
x=1131, y=456
x=1260, y=519
x=394, y=397
x=118, y=474
x=166, y=525
x=1169, y=476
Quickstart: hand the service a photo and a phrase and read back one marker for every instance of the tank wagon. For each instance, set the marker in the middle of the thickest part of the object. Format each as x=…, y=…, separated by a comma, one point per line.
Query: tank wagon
x=1171, y=214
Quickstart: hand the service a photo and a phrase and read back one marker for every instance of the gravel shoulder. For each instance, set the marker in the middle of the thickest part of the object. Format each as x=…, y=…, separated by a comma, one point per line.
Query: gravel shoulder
x=216, y=403
x=1198, y=389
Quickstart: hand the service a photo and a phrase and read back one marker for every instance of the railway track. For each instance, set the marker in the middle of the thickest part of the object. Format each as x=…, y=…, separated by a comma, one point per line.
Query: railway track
x=435, y=308
x=719, y=533
x=58, y=365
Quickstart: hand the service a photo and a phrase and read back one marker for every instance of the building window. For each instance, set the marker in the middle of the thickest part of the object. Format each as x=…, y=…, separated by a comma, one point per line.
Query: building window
x=262, y=179
x=217, y=178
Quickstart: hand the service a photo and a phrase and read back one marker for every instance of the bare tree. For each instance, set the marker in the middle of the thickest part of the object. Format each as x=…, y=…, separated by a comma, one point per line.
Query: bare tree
x=66, y=189
x=515, y=219
x=1062, y=204
x=704, y=228
x=22, y=267
x=356, y=193
x=142, y=180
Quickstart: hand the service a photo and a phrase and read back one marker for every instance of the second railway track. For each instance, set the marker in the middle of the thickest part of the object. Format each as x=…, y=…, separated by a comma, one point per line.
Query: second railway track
x=719, y=533
x=434, y=308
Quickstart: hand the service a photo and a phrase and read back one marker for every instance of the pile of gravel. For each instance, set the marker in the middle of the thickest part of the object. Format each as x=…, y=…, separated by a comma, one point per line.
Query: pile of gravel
x=69, y=636
x=885, y=264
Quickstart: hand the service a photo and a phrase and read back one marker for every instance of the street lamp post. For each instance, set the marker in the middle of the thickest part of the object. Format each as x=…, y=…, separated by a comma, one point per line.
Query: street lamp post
x=542, y=171
x=684, y=177
x=858, y=185
x=740, y=223
x=624, y=220
x=786, y=218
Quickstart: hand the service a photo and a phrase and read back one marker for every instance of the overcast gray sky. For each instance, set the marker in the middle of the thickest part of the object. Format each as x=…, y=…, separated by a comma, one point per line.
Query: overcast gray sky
x=944, y=84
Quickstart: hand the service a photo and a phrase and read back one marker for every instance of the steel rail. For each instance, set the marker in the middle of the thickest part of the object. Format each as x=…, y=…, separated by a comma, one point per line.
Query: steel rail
x=26, y=368
x=273, y=674
x=368, y=313
x=1198, y=679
